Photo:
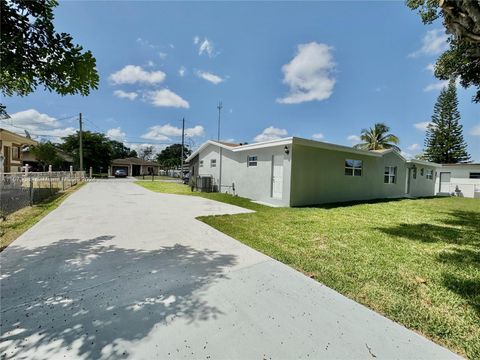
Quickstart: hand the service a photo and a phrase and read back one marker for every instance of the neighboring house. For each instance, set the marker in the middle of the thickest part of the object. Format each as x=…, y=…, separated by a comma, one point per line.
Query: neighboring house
x=134, y=166
x=28, y=158
x=296, y=172
x=11, y=145
x=459, y=179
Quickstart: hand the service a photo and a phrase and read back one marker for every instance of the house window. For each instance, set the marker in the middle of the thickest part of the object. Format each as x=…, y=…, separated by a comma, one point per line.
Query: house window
x=421, y=172
x=213, y=163
x=474, y=175
x=353, y=167
x=15, y=153
x=429, y=174
x=252, y=160
x=414, y=174
x=201, y=163
x=390, y=176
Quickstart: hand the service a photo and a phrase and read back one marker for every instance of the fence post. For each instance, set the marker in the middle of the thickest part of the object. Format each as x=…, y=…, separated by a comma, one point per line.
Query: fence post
x=63, y=182
x=91, y=172
x=31, y=191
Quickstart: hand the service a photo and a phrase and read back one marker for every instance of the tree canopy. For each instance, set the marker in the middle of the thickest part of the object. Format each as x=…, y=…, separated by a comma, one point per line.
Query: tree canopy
x=170, y=157
x=98, y=150
x=33, y=53
x=120, y=151
x=444, y=141
x=378, y=138
x=146, y=153
x=461, y=19
x=46, y=154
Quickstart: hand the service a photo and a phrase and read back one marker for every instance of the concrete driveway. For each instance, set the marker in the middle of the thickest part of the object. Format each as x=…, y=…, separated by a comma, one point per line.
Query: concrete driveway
x=118, y=271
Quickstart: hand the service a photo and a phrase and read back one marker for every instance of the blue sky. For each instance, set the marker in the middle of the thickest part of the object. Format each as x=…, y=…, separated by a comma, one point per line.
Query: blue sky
x=323, y=70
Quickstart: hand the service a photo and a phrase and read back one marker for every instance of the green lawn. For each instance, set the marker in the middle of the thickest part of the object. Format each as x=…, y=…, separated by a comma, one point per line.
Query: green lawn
x=415, y=261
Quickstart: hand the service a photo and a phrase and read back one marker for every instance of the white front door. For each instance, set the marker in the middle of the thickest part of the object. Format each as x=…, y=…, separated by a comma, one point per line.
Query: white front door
x=277, y=176
x=444, y=182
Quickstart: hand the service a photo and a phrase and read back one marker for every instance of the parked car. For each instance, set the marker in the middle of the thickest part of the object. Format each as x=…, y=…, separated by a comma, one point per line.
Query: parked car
x=120, y=173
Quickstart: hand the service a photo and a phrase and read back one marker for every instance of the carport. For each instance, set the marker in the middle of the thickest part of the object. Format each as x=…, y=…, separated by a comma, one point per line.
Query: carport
x=134, y=166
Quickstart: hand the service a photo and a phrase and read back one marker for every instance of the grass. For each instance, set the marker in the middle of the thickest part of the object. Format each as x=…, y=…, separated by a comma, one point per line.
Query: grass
x=415, y=261
x=20, y=221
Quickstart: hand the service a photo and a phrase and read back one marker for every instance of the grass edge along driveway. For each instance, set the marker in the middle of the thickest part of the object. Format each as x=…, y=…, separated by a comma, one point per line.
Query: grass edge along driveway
x=416, y=261
x=23, y=219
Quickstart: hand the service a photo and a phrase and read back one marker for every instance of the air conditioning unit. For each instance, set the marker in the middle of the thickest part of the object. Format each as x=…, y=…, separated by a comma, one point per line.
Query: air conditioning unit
x=205, y=183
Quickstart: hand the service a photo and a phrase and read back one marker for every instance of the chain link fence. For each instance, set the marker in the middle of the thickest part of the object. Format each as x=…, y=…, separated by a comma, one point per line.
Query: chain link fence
x=18, y=190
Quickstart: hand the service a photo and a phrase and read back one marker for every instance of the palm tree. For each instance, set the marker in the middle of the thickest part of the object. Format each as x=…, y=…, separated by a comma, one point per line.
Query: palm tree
x=378, y=138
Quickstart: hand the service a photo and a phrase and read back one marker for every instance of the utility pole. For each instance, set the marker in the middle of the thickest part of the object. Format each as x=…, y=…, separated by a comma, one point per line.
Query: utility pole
x=183, y=145
x=80, y=137
x=219, y=107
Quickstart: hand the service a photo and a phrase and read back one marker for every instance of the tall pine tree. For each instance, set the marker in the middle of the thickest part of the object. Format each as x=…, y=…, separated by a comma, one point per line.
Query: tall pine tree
x=444, y=139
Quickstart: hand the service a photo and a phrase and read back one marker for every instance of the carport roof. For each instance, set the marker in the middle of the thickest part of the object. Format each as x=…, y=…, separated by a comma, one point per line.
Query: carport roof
x=133, y=161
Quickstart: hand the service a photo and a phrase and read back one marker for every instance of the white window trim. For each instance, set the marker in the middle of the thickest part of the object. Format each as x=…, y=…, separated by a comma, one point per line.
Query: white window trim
x=213, y=163
x=201, y=163
x=391, y=173
x=353, y=168
x=429, y=174
x=251, y=162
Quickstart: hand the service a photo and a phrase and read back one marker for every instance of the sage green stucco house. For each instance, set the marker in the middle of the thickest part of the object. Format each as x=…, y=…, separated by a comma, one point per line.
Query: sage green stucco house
x=297, y=172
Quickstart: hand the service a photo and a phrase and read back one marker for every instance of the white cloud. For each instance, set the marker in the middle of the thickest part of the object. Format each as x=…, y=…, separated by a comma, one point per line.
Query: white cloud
x=475, y=130
x=125, y=95
x=197, y=130
x=310, y=74
x=439, y=85
x=270, y=133
x=162, y=55
x=116, y=134
x=40, y=126
x=182, y=71
x=205, y=46
x=146, y=43
x=318, y=136
x=132, y=74
x=353, y=138
x=166, y=98
x=413, y=147
x=214, y=79
x=431, y=68
x=422, y=126
x=407, y=155
x=164, y=132
x=157, y=148
x=433, y=43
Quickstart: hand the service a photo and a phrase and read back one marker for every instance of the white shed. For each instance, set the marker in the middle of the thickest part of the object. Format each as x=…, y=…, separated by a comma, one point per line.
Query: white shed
x=459, y=179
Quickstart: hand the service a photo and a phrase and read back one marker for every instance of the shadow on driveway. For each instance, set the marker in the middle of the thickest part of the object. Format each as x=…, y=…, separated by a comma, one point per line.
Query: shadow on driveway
x=88, y=296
